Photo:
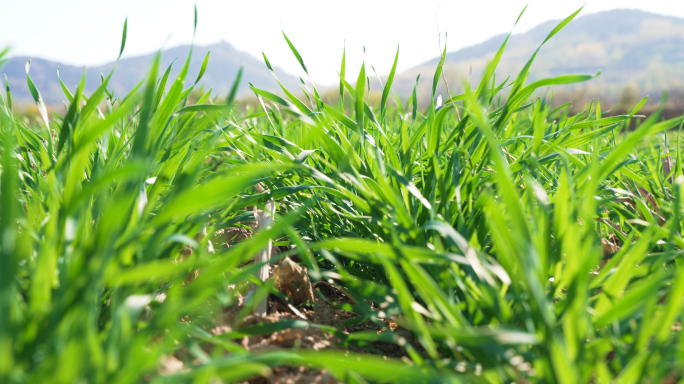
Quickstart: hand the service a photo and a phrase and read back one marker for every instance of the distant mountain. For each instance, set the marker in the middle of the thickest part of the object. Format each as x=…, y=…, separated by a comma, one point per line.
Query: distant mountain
x=634, y=50
x=224, y=63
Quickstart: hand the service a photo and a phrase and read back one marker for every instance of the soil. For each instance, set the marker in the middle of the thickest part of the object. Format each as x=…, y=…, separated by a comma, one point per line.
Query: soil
x=317, y=303
x=323, y=311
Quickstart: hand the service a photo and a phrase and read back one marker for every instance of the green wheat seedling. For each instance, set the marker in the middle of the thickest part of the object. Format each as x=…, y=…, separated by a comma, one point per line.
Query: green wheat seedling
x=508, y=239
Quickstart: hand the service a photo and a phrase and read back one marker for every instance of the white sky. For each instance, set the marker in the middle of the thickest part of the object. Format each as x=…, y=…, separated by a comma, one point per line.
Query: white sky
x=88, y=32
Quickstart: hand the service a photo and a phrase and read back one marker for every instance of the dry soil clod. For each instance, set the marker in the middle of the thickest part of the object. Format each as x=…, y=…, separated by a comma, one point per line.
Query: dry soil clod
x=293, y=280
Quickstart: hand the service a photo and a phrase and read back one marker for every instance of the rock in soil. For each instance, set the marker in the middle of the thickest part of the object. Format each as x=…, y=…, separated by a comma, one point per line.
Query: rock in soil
x=293, y=280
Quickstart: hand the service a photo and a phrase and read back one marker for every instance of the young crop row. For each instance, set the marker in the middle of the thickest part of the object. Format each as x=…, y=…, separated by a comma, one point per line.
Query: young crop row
x=513, y=241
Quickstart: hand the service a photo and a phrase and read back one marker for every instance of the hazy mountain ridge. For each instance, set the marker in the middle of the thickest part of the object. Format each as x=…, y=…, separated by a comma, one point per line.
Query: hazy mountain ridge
x=636, y=49
x=224, y=63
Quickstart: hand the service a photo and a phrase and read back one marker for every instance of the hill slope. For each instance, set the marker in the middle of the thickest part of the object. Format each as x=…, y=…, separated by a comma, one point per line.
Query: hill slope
x=224, y=63
x=635, y=49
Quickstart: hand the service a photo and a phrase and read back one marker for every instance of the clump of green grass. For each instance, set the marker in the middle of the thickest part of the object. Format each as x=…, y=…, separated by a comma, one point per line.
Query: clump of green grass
x=513, y=241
